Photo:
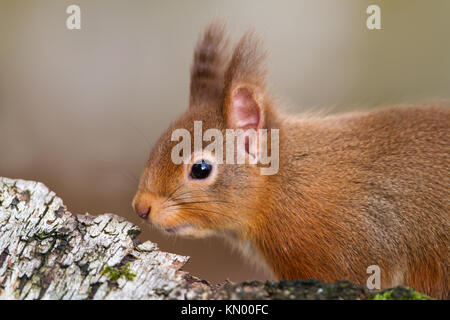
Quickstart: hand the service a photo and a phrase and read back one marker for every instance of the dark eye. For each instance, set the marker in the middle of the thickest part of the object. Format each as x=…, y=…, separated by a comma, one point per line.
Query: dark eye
x=201, y=170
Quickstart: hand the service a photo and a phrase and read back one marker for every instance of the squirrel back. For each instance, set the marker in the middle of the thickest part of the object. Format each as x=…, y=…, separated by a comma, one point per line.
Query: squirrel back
x=365, y=189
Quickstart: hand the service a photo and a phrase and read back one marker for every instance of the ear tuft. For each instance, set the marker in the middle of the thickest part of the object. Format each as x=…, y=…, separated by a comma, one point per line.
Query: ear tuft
x=247, y=63
x=243, y=106
x=210, y=58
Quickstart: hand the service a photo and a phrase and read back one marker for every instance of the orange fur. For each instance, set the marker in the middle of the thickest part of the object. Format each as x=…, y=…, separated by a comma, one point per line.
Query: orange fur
x=352, y=191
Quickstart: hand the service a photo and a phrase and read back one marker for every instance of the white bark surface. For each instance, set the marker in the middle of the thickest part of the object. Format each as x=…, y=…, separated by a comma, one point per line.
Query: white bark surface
x=48, y=253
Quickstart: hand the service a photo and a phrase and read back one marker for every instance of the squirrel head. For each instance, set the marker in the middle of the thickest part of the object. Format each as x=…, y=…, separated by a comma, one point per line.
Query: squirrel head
x=204, y=194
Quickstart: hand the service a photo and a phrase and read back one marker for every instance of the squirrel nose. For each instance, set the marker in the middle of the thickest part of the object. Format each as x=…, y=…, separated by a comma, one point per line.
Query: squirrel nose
x=142, y=206
x=143, y=210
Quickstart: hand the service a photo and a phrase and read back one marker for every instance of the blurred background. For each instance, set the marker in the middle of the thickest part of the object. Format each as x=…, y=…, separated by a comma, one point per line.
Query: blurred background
x=81, y=109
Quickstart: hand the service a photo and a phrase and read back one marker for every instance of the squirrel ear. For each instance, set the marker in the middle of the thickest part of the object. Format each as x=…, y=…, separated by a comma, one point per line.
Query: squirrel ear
x=244, y=110
x=207, y=71
x=245, y=87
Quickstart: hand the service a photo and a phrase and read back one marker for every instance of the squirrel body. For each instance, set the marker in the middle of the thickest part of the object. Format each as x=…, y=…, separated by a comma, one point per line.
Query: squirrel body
x=352, y=190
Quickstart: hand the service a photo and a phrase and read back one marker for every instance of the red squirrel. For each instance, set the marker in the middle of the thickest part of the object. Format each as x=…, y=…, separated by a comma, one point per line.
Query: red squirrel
x=352, y=190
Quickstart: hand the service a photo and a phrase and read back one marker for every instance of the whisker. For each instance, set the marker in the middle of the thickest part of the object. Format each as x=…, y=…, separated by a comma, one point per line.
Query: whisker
x=209, y=211
x=140, y=134
x=188, y=197
x=131, y=177
x=209, y=201
x=180, y=195
x=180, y=199
x=172, y=193
x=196, y=202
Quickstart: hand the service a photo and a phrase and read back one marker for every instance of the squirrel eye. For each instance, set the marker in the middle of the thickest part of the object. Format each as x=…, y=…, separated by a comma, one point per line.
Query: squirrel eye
x=201, y=170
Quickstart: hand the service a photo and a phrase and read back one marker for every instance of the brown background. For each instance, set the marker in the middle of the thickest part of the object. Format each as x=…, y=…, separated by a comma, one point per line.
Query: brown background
x=80, y=110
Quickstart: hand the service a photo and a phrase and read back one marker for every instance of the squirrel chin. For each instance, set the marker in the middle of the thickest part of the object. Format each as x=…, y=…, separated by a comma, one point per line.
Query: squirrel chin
x=186, y=230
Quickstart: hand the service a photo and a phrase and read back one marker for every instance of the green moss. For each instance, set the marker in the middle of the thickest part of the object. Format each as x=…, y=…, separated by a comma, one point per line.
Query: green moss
x=401, y=294
x=41, y=236
x=419, y=296
x=115, y=274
